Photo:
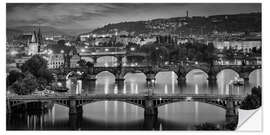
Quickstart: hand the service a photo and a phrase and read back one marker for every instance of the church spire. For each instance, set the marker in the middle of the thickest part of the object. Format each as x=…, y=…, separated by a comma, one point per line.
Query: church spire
x=34, y=38
x=39, y=35
x=39, y=38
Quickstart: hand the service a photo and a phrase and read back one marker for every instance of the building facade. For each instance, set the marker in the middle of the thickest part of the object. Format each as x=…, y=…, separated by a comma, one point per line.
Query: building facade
x=74, y=61
x=56, y=61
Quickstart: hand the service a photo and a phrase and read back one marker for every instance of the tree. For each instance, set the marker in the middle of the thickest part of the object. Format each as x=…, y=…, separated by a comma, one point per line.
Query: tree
x=252, y=101
x=61, y=42
x=82, y=63
x=34, y=64
x=14, y=76
x=210, y=55
x=231, y=125
x=89, y=64
x=26, y=85
x=37, y=66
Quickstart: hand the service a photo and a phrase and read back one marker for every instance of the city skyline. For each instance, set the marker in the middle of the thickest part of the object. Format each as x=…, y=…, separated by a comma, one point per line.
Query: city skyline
x=93, y=15
x=166, y=66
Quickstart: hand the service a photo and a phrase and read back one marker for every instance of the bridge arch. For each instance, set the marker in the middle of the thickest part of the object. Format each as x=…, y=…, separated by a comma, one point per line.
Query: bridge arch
x=102, y=72
x=172, y=76
x=220, y=104
x=107, y=60
x=135, y=102
x=199, y=70
x=134, y=71
x=60, y=102
x=135, y=75
x=256, y=74
x=229, y=70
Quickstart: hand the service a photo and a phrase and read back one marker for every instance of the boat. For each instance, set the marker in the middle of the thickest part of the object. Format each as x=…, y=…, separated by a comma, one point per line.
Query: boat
x=60, y=89
x=238, y=81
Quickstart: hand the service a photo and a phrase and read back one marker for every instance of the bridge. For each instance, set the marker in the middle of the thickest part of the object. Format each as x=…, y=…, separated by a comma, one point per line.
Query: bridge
x=149, y=103
x=90, y=73
x=117, y=52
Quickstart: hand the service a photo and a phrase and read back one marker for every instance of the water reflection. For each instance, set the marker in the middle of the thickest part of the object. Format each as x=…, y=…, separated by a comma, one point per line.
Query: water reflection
x=109, y=115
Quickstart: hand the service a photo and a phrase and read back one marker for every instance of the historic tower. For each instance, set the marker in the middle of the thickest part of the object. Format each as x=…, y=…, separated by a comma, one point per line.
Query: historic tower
x=35, y=43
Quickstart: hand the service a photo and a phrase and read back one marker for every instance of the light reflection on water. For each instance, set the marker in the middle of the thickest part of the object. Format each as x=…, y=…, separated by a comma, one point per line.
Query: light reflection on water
x=120, y=115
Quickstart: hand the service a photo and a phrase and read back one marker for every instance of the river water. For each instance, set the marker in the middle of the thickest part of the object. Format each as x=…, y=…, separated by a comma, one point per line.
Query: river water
x=115, y=115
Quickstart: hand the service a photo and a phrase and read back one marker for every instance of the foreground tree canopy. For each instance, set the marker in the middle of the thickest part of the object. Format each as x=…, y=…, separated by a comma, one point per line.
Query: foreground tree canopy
x=14, y=76
x=38, y=67
x=25, y=86
x=254, y=100
x=34, y=76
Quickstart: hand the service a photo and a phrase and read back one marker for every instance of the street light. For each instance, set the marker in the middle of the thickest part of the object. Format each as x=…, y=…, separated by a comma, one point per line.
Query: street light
x=50, y=51
x=132, y=49
x=13, y=52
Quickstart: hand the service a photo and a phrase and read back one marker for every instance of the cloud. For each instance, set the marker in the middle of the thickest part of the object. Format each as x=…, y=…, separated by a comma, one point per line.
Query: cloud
x=92, y=15
x=54, y=14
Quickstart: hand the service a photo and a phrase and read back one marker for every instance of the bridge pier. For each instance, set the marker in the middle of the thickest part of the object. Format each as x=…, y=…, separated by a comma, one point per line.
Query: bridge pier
x=181, y=80
x=75, y=114
x=94, y=60
x=149, y=108
x=212, y=79
x=231, y=110
x=119, y=60
x=150, y=77
x=9, y=111
x=245, y=76
x=74, y=121
x=72, y=107
x=150, y=122
x=119, y=78
x=91, y=77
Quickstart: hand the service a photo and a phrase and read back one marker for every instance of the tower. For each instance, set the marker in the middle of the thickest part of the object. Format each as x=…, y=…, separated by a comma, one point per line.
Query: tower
x=187, y=13
x=39, y=39
x=34, y=45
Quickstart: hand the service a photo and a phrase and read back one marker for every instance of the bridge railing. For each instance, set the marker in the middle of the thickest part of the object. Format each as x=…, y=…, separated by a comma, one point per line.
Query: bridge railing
x=107, y=96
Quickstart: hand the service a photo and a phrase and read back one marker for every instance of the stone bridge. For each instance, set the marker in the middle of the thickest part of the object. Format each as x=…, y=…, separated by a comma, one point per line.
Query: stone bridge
x=149, y=103
x=150, y=72
x=119, y=54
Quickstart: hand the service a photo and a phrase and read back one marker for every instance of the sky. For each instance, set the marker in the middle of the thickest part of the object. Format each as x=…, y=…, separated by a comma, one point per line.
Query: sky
x=93, y=15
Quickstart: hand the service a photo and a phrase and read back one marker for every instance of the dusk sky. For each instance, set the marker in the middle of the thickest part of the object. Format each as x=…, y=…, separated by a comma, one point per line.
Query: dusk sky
x=90, y=16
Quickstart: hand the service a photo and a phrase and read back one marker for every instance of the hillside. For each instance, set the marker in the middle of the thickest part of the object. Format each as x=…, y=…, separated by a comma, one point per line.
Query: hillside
x=249, y=22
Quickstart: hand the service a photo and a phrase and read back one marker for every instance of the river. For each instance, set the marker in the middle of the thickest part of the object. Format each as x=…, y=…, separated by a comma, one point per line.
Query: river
x=115, y=115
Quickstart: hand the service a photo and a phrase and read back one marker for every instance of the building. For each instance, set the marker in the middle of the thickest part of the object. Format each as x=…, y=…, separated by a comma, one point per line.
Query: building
x=58, y=55
x=84, y=37
x=74, y=61
x=239, y=45
x=56, y=60
x=34, y=45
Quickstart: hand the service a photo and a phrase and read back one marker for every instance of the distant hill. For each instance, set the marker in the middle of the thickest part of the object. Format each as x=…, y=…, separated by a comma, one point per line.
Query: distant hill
x=248, y=22
x=75, y=32
x=12, y=33
x=46, y=30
